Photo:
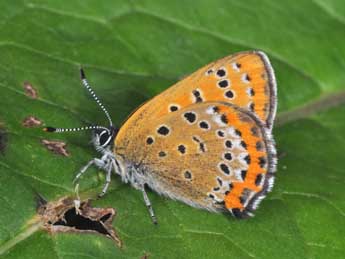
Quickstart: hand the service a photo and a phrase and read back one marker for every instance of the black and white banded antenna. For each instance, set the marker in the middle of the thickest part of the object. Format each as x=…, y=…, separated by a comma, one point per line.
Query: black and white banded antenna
x=95, y=97
x=60, y=130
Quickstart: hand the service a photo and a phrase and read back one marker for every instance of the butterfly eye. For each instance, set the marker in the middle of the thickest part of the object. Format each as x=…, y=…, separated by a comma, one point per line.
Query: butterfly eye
x=104, y=138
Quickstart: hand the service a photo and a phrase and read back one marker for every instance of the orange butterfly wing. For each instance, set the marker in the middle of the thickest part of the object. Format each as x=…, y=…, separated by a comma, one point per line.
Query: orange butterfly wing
x=245, y=79
x=209, y=155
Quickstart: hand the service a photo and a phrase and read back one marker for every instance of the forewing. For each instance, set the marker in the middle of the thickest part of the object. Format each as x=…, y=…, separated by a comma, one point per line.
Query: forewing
x=210, y=155
x=245, y=79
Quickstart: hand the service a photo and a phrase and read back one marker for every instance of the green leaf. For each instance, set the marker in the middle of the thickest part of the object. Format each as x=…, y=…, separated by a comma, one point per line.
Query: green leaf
x=132, y=50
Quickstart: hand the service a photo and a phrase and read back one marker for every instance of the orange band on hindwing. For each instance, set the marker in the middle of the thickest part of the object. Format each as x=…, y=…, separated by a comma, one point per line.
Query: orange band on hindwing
x=250, y=135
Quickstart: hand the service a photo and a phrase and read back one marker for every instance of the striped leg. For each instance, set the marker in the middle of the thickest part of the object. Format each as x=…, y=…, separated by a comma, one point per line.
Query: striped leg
x=107, y=182
x=95, y=161
x=148, y=205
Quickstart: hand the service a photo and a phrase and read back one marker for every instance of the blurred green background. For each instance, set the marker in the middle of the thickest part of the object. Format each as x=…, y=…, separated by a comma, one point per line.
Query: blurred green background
x=132, y=50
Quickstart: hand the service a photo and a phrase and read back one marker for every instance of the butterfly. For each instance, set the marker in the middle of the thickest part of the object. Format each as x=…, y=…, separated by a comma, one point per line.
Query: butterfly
x=206, y=141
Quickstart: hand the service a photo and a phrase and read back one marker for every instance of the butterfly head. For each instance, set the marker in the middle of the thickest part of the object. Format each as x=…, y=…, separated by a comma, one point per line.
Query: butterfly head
x=102, y=137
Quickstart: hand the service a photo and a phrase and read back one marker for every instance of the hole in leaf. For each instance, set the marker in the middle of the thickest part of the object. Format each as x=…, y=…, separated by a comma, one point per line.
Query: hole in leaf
x=106, y=217
x=64, y=216
x=72, y=219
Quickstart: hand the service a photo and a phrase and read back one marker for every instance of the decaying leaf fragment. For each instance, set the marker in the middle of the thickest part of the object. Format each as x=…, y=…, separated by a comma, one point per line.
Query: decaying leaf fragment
x=31, y=121
x=63, y=216
x=58, y=147
x=30, y=91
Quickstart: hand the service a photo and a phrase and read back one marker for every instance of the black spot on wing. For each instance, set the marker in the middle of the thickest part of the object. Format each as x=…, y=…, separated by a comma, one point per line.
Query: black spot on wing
x=221, y=72
x=173, y=108
x=229, y=94
x=224, y=168
x=223, y=83
x=162, y=154
x=228, y=156
x=190, y=117
x=188, y=174
x=258, y=179
x=149, y=141
x=247, y=159
x=224, y=119
x=197, y=96
x=181, y=149
x=243, y=174
x=163, y=130
x=204, y=125
x=228, y=144
x=220, y=133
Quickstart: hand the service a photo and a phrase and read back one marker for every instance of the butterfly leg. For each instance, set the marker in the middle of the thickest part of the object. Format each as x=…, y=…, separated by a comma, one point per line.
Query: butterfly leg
x=148, y=205
x=98, y=162
x=107, y=181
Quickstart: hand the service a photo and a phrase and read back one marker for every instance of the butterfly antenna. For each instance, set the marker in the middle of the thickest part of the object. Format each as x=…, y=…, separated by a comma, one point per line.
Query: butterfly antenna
x=60, y=130
x=92, y=93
